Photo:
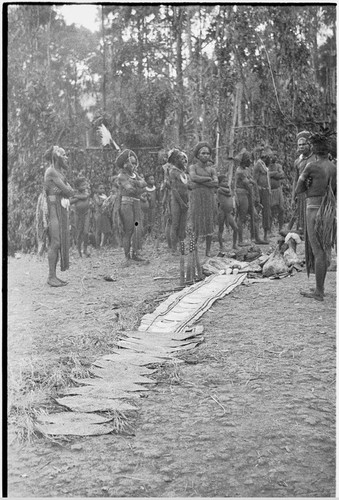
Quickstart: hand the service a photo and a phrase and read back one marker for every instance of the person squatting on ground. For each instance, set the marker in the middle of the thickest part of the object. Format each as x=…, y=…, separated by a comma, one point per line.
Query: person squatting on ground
x=246, y=198
x=318, y=182
x=81, y=202
x=204, y=182
x=178, y=184
x=306, y=155
x=277, y=198
x=225, y=213
x=102, y=223
x=149, y=199
x=58, y=192
x=131, y=185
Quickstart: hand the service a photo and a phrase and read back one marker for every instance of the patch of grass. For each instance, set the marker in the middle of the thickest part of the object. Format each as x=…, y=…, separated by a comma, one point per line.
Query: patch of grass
x=30, y=388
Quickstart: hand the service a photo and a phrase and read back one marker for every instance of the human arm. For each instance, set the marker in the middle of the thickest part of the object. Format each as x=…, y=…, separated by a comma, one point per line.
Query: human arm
x=199, y=179
x=303, y=181
x=54, y=176
x=277, y=174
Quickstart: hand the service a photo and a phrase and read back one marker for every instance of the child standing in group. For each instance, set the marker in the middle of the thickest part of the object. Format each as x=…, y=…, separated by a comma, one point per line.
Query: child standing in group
x=225, y=213
x=102, y=223
x=81, y=202
x=149, y=204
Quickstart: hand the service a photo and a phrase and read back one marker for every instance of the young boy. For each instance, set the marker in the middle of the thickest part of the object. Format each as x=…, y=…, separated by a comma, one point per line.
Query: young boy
x=148, y=204
x=225, y=213
x=81, y=202
x=102, y=223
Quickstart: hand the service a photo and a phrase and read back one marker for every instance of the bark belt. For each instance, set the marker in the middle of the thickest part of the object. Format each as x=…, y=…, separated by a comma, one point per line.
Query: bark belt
x=129, y=198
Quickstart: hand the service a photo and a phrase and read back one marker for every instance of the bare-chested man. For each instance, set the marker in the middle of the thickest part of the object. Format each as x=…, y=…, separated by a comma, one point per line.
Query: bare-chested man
x=204, y=182
x=318, y=182
x=266, y=178
x=246, y=198
x=277, y=198
x=58, y=192
x=305, y=156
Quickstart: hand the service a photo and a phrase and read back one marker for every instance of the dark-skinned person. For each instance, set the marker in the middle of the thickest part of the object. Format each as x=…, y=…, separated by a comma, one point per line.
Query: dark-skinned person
x=81, y=202
x=178, y=181
x=247, y=199
x=102, y=223
x=318, y=181
x=304, y=148
x=262, y=176
x=277, y=198
x=131, y=185
x=203, y=181
x=165, y=200
x=149, y=200
x=225, y=213
x=58, y=191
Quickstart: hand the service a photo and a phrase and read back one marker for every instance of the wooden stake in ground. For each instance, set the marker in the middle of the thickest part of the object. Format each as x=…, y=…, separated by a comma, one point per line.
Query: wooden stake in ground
x=189, y=271
x=197, y=261
x=182, y=263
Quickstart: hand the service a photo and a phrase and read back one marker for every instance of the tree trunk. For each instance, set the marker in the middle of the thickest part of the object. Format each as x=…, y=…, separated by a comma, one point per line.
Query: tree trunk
x=103, y=60
x=234, y=123
x=178, y=23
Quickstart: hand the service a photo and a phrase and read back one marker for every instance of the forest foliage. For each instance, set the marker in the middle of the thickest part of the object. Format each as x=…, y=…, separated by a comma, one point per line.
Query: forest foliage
x=158, y=76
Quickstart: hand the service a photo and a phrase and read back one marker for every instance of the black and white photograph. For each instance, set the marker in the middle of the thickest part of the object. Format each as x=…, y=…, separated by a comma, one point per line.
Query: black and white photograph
x=171, y=253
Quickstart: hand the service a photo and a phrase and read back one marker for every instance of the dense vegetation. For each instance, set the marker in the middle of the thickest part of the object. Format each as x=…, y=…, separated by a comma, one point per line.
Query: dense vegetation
x=158, y=76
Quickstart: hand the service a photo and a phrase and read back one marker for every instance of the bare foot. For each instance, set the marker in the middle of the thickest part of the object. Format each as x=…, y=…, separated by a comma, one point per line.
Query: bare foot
x=313, y=295
x=261, y=242
x=55, y=282
x=62, y=281
x=313, y=291
x=137, y=259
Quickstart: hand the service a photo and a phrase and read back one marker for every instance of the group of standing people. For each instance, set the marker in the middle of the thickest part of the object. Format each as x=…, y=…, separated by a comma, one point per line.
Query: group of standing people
x=192, y=197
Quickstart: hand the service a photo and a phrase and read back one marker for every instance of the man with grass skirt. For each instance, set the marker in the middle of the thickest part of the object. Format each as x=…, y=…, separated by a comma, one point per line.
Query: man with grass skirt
x=306, y=155
x=318, y=182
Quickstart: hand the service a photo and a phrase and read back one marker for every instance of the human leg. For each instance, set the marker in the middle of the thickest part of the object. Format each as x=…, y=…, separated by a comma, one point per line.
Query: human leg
x=242, y=211
x=320, y=257
x=126, y=212
x=234, y=227
x=54, y=249
x=208, y=245
x=257, y=238
x=174, y=232
x=221, y=225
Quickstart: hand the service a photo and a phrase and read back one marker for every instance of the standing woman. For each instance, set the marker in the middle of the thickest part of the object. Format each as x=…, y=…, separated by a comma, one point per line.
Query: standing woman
x=130, y=185
x=58, y=192
x=204, y=182
x=178, y=196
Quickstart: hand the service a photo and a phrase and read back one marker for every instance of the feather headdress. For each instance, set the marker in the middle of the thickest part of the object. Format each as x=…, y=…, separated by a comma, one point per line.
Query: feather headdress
x=106, y=137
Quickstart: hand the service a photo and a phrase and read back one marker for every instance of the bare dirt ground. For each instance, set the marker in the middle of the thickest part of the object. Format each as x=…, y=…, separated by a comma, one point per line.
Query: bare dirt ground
x=250, y=413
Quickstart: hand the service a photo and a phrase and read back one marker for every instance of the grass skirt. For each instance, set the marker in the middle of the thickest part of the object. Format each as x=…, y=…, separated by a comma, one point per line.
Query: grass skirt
x=202, y=211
